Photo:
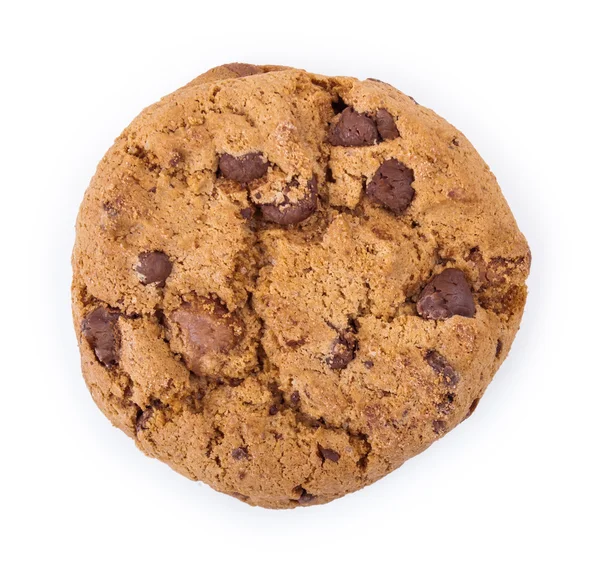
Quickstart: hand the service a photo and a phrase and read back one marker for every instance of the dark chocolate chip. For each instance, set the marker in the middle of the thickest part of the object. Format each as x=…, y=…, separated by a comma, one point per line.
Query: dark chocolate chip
x=328, y=454
x=141, y=423
x=136, y=151
x=194, y=401
x=175, y=159
x=497, y=270
x=289, y=212
x=295, y=398
x=498, y=348
x=363, y=462
x=247, y=213
x=446, y=295
x=229, y=381
x=206, y=326
x=381, y=234
x=439, y=427
x=154, y=267
x=443, y=368
x=353, y=129
x=305, y=496
x=391, y=186
x=343, y=350
x=244, y=168
x=240, y=497
x=368, y=364
x=100, y=330
x=472, y=408
x=242, y=69
x=113, y=208
x=445, y=407
x=386, y=125
x=278, y=399
x=309, y=421
x=295, y=344
x=239, y=453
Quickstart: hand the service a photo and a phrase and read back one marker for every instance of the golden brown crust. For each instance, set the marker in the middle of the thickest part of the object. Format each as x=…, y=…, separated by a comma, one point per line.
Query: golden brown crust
x=324, y=377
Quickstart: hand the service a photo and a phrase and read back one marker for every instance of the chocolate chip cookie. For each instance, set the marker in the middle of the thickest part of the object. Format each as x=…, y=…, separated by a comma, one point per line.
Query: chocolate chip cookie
x=285, y=285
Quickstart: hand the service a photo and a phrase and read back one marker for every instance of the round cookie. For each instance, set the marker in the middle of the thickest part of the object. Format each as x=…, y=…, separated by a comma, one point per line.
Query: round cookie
x=285, y=285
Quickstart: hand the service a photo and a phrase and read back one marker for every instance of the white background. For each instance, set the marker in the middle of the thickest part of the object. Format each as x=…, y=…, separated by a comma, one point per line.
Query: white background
x=512, y=491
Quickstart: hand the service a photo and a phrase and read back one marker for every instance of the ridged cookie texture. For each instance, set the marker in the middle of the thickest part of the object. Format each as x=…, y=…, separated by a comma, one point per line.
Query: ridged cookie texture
x=285, y=285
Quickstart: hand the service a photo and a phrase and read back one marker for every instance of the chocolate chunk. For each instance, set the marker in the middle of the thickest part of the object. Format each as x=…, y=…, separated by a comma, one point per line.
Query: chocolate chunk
x=443, y=368
x=305, y=497
x=194, y=400
x=154, y=267
x=499, y=347
x=386, y=125
x=295, y=344
x=240, y=453
x=175, y=159
x=472, y=408
x=446, y=295
x=100, y=330
x=247, y=213
x=278, y=399
x=244, y=168
x=328, y=454
x=136, y=151
x=381, y=234
x=445, y=407
x=141, y=423
x=456, y=194
x=240, y=497
x=439, y=427
x=295, y=398
x=391, y=186
x=143, y=417
x=368, y=364
x=290, y=212
x=498, y=270
x=229, y=381
x=343, y=350
x=353, y=129
x=113, y=208
x=206, y=327
x=242, y=69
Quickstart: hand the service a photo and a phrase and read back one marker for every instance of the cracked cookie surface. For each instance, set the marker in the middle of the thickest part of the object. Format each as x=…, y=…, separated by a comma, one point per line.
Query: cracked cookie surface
x=286, y=285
